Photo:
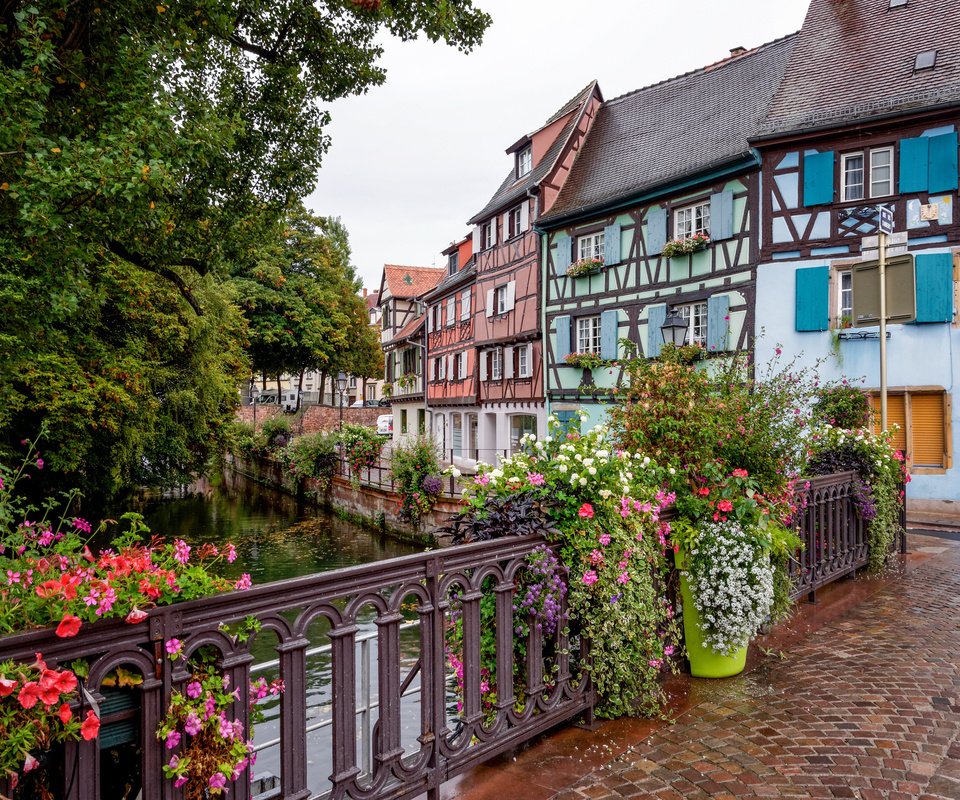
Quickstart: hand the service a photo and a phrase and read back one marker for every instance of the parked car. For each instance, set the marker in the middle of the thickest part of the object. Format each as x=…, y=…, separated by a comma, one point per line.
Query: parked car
x=357, y=404
x=385, y=425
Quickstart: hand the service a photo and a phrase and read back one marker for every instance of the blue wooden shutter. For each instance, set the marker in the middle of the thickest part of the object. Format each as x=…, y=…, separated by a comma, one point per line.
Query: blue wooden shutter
x=914, y=164
x=655, y=317
x=942, y=164
x=818, y=178
x=562, y=259
x=609, y=328
x=656, y=230
x=718, y=323
x=813, y=299
x=934, y=275
x=611, y=244
x=721, y=215
x=568, y=421
x=562, y=327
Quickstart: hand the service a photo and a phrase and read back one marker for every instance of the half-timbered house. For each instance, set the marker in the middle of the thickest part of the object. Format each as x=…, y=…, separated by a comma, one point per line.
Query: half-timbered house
x=452, y=357
x=867, y=117
x=402, y=322
x=665, y=168
x=506, y=249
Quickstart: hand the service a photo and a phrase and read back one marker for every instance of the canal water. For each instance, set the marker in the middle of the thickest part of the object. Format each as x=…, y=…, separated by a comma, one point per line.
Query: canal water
x=276, y=537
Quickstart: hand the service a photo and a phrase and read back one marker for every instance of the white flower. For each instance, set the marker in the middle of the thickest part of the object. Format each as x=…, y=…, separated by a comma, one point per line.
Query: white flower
x=672, y=471
x=562, y=468
x=496, y=474
x=605, y=493
x=539, y=445
x=592, y=470
x=455, y=472
x=574, y=476
x=583, y=481
x=602, y=454
x=587, y=462
x=646, y=460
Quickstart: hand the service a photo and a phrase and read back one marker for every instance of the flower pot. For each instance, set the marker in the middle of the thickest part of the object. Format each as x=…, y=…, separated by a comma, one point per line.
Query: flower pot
x=705, y=662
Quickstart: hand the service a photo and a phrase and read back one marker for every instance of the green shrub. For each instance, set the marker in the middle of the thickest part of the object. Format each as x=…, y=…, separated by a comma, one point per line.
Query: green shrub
x=416, y=478
x=842, y=406
x=361, y=447
x=276, y=432
x=313, y=456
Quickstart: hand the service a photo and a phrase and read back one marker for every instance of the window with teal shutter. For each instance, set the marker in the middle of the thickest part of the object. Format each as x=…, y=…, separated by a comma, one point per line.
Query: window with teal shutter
x=562, y=260
x=611, y=245
x=914, y=164
x=562, y=326
x=656, y=230
x=609, y=327
x=818, y=178
x=934, y=275
x=721, y=215
x=942, y=163
x=718, y=323
x=655, y=317
x=568, y=420
x=813, y=299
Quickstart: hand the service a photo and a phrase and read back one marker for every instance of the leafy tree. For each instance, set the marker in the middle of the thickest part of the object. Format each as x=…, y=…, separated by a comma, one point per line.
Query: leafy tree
x=145, y=147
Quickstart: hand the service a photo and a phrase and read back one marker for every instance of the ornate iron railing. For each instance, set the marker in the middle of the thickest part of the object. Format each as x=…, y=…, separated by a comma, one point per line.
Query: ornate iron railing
x=418, y=739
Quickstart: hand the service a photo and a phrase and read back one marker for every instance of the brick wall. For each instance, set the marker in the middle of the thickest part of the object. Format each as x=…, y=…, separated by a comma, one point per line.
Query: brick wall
x=315, y=418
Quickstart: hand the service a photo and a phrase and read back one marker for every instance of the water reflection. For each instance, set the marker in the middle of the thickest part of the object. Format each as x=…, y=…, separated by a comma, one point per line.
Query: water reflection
x=276, y=538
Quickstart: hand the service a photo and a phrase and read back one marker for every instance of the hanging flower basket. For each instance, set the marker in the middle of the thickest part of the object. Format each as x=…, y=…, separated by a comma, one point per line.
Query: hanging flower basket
x=584, y=360
x=684, y=247
x=585, y=266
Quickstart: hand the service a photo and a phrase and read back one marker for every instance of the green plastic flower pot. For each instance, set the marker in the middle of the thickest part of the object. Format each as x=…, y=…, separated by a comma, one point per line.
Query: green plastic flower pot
x=705, y=662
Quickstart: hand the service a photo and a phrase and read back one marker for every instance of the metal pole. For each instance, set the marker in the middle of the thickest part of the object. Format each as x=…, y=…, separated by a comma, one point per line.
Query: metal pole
x=883, y=330
x=341, y=410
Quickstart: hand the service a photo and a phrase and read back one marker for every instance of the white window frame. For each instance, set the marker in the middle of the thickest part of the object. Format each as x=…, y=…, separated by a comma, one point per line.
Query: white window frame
x=590, y=245
x=486, y=235
x=496, y=364
x=500, y=300
x=515, y=220
x=696, y=316
x=523, y=361
x=524, y=161
x=453, y=262
x=845, y=187
x=889, y=165
x=691, y=220
x=844, y=293
x=588, y=334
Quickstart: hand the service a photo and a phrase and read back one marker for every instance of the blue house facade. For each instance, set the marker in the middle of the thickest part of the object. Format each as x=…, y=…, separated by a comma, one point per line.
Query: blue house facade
x=841, y=139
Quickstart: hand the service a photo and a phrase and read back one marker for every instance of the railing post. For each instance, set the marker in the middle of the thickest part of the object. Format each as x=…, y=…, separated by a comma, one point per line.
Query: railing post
x=293, y=719
x=344, y=696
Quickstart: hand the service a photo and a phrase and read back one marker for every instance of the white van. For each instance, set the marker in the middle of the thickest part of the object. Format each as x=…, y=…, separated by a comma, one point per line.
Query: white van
x=288, y=400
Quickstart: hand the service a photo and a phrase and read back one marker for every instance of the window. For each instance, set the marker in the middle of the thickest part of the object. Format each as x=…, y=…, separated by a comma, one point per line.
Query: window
x=496, y=364
x=690, y=220
x=439, y=365
x=523, y=361
x=353, y=382
x=466, y=304
x=457, y=367
x=844, y=298
x=451, y=310
x=421, y=421
x=854, y=179
x=370, y=395
x=409, y=361
x=385, y=320
x=519, y=425
x=524, y=161
x=590, y=246
x=436, y=317
x=515, y=228
x=500, y=299
x=923, y=421
x=696, y=316
x=453, y=262
x=486, y=235
x=403, y=420
x=588, y=335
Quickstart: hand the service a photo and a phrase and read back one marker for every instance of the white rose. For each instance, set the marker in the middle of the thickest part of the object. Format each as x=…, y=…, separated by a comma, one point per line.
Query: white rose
x=592, y=470
x=562, y=468
x=583, y=481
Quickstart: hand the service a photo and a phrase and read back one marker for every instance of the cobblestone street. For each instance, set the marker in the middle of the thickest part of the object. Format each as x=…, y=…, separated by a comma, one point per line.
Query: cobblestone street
x=866, y=706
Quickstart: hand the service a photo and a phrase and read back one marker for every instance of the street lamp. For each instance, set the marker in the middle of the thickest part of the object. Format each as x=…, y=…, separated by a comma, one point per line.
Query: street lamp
x=674, y=329
x=254, y=396
x=341, y=387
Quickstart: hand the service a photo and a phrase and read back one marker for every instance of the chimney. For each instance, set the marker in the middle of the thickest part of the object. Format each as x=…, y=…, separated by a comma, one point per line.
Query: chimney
x=364, y=291
x=737, y=51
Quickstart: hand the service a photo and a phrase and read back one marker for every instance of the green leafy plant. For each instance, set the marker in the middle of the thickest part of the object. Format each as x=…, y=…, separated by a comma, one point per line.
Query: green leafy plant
x=416, y=477
x=362, y=448
x=312, y=456
x=683, y=247
x=842, y=406
x=585, y=266
x=276, y=433
x=584, y=360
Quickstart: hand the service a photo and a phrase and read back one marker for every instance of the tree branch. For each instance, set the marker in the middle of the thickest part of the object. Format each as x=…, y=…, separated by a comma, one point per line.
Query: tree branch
x=250, y=47
x=163, y=270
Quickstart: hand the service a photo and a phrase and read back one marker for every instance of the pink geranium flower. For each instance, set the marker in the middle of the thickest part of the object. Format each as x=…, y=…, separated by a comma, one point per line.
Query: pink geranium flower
x=586, y=511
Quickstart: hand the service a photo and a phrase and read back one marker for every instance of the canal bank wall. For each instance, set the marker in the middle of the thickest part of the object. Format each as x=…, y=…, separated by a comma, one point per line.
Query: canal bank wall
x=369, y=506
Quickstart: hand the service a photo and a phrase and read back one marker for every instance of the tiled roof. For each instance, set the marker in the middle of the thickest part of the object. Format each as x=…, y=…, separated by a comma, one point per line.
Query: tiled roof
x=408, y=282
x=407, y=331
x=513, y=190
x=855, y=60
x=673, y=129
x=373, y=300
x=456, y=279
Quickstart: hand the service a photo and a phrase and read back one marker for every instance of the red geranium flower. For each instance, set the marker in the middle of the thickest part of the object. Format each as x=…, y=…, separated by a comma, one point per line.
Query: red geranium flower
x=586, y=511
x=69, y=626
x=90, y=726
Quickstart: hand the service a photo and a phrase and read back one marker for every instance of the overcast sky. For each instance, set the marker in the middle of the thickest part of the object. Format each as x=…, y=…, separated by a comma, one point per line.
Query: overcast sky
x=414, y=159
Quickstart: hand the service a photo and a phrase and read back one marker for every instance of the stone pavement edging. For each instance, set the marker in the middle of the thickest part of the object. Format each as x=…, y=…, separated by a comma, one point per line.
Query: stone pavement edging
x=849, y=699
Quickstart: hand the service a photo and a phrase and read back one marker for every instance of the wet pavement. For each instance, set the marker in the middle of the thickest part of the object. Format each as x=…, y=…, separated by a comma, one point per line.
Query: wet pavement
x=857, y=696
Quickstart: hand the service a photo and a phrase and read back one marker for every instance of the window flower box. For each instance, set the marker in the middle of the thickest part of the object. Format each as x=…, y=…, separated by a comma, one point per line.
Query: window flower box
x=584, y=267
x=584, y=360
x=684, y=247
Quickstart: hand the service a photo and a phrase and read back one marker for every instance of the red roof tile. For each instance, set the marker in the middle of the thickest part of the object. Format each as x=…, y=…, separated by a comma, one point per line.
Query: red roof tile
x=407, y=282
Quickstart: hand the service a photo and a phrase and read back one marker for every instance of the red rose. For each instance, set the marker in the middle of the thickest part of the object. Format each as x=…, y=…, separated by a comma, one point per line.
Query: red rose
x=69, y=626
x=90, y=726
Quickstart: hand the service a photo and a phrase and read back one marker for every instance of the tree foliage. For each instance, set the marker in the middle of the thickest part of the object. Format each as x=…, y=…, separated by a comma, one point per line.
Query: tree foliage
x=146, y=149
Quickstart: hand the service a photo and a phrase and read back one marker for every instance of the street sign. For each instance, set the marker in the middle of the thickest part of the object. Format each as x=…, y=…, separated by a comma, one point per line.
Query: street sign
x=886, y=219
x=901, y=291
x=896, y=245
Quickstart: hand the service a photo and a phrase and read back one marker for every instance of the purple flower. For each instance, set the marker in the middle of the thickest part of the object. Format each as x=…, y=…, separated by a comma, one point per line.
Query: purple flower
x=243, y=582
x=192, y=724
x=173, y=739
x=172, y=646
x=181, y=551
x=230, y=552
x=536, y=479
x=194, y=689
x=39, y=463
x=432, y=485
x=217, y=780
x=174, y=760
x=180, y=781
